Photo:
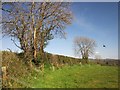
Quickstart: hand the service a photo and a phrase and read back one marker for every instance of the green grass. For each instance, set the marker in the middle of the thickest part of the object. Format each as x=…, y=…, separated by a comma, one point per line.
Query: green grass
x=20, y=75
x=86, y=76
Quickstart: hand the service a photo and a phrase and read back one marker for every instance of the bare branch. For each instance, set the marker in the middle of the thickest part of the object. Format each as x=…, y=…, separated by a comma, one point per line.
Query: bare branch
x=15, y=43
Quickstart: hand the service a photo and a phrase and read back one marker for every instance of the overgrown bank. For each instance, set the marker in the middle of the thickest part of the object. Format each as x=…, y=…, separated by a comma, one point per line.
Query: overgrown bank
x=19, y=74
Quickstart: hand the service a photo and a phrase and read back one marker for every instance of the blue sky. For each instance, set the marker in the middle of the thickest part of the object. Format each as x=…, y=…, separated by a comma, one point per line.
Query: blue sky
x=98, y=21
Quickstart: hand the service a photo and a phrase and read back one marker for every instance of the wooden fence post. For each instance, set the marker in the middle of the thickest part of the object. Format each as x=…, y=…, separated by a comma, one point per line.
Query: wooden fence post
x=4, y=73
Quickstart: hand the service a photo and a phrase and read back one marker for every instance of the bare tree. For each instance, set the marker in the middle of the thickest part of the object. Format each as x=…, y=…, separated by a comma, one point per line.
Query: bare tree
x=33, y=24
x=84, y=46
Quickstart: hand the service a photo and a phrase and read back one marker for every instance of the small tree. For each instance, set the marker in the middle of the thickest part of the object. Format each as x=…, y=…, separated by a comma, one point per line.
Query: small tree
x=84, y=46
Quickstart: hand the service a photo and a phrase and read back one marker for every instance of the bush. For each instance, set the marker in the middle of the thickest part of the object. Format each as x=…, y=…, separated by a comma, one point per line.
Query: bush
x=16, y=68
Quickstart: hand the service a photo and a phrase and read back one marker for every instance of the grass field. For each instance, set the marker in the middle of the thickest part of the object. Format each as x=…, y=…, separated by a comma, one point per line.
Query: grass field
x=85, y=76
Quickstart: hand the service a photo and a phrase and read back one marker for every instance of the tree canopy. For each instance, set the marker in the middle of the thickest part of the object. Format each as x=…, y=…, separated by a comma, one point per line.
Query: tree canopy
x=33, y=24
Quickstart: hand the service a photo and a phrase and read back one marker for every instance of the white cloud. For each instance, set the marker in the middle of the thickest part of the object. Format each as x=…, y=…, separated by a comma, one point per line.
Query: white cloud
x=97, y=52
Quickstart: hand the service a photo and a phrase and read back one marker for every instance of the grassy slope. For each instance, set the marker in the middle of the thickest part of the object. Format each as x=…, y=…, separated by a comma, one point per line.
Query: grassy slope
x=94, y=76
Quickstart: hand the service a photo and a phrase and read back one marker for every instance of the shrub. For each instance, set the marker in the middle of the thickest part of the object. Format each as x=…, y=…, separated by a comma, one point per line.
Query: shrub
x=16, y=68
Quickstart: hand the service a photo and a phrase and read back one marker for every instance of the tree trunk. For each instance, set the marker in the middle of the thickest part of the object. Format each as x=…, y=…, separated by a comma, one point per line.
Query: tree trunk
x=34, y=38
x=42, y=51
x=35, y=46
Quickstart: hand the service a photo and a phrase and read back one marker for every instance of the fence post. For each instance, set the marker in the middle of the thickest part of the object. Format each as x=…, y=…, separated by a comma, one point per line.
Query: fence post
x=4, y=73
